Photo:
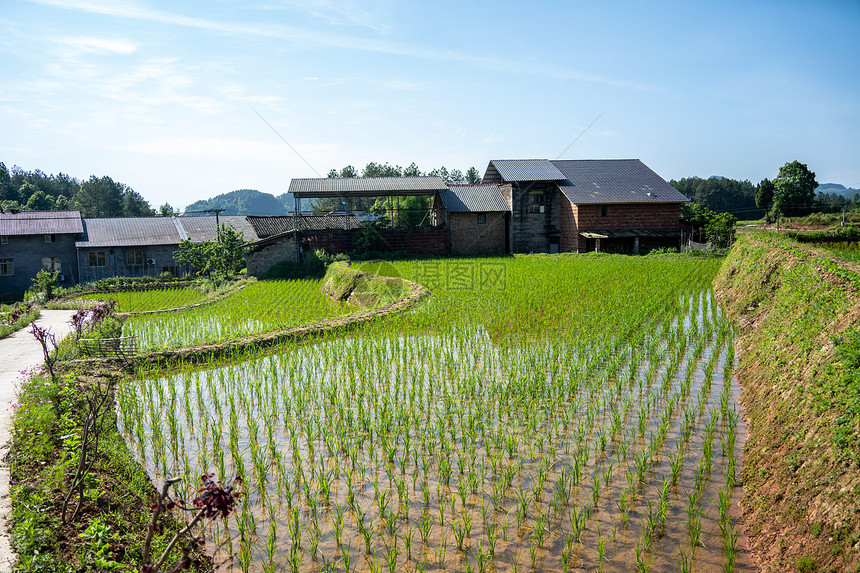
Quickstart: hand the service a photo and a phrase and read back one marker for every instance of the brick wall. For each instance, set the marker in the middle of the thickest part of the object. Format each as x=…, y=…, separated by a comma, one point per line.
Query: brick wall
x=468, y=237
x=664, y=217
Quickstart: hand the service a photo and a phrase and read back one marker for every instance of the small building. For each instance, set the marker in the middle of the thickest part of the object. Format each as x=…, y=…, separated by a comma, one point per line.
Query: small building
x=129, y=247
x=144, y=246
x=613, y=205
x=476, y=216
x=35, y=240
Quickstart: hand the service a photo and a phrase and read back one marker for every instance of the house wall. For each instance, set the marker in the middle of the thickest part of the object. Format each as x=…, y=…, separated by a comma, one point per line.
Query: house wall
x=116, y=266
x=533, y=232
x=663, y=217
x=419, y=241
x=261, y=259
x=468, y=237
x=26, y=252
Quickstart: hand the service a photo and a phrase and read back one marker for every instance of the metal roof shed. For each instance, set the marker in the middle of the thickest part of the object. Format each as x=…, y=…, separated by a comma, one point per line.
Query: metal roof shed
x=473, y=199
x=365, y=187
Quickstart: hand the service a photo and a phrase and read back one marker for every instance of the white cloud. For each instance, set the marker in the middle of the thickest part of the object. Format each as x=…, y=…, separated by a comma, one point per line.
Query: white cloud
x=309, y=37
x=90, y=44
x=202, y=146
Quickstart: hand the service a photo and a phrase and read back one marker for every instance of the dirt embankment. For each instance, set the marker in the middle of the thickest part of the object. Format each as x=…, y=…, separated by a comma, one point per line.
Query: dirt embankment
x=802, y=488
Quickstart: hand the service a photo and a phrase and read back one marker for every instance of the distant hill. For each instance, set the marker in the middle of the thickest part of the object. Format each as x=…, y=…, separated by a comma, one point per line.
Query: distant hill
x=246, y=202
x=847, y=192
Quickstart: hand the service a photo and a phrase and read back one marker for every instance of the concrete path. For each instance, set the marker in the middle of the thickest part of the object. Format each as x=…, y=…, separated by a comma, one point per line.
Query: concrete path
x=19, y=351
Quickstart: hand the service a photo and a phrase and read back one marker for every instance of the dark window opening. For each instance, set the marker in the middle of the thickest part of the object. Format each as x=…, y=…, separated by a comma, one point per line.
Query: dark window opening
x=536, y=202
x=482, y=218
x=603, y=210
x=97, y=258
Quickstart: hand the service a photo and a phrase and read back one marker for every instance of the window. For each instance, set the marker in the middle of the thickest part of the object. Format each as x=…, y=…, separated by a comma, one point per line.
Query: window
x=536, y=202
x=134, y=257
x=6, y=267
x=482, y=218
x=50, y=238
x=51, y=264
x=4, y=239
x=97, y=258
x=603, y=210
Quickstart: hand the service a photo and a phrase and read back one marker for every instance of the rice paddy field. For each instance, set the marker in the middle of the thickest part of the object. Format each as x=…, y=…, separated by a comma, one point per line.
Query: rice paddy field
x=137, y=301
x=535, y=414
x=259, y=307
x=845, y=251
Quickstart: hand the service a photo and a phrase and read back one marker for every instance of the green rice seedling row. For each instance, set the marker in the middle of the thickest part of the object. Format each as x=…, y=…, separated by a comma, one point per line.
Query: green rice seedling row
x=259, y=307
x=138, y=301
x=552, y=421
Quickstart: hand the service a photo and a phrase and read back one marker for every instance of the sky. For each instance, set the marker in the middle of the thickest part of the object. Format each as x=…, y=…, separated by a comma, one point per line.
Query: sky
x=187, y=100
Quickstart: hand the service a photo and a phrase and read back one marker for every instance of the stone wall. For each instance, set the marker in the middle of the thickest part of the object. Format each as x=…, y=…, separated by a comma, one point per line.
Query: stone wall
x=538, y=232
x=469, y=237
x=261, y=259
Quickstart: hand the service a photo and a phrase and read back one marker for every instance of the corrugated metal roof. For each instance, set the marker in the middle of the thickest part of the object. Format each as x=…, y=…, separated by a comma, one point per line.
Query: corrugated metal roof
x=614, y=181
x=504, y=170
x=204, y=228
x=365, y=186
x=41, y=223
x=275, y=225
x=473, y=198
x=129, y=232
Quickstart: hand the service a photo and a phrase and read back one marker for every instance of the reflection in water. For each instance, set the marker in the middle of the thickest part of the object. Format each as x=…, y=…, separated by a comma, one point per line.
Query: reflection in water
x=455, y=452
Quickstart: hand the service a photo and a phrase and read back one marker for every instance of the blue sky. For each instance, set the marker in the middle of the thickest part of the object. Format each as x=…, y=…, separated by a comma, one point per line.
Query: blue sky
x=165, y=96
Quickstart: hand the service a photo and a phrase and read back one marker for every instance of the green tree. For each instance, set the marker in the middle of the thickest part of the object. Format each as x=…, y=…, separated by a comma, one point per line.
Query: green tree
x=134, y=205
x=224, y=256
x=473, y=176
x=720, y=229
x=7, y=190
x=764, y=194
x=62, y=203
x=38, y=201
x=228, y=252
x=197, y=256
x=167, y=210
x=100, y=197
x=794, y=189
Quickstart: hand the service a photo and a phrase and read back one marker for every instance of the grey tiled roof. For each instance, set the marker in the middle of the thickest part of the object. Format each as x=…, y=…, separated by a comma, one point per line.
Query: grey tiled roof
x=203, y=228
x=130, y=231
x=365, y=186
x=473, y=198
x=614, y=181
x=41, y=223
x=503, y=170
x=275, y=225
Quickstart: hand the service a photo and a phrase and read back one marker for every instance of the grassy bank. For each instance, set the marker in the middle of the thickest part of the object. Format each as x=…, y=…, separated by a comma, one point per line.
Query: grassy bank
x=798, y=313
x=14, y=317
x=109, y=530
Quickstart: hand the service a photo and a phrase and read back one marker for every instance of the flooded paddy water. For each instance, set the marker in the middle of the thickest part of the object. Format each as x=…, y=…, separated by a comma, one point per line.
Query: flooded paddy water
x=458, y=451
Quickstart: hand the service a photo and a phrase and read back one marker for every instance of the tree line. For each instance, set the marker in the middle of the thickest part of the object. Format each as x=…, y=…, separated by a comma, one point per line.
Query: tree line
x=22, y=190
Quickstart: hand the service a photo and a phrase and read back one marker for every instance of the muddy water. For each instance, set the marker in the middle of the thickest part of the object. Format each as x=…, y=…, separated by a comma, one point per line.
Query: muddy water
x=450, y=453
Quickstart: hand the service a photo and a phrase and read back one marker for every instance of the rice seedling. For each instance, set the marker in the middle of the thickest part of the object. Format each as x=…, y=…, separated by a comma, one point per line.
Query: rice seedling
x=507, y=413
